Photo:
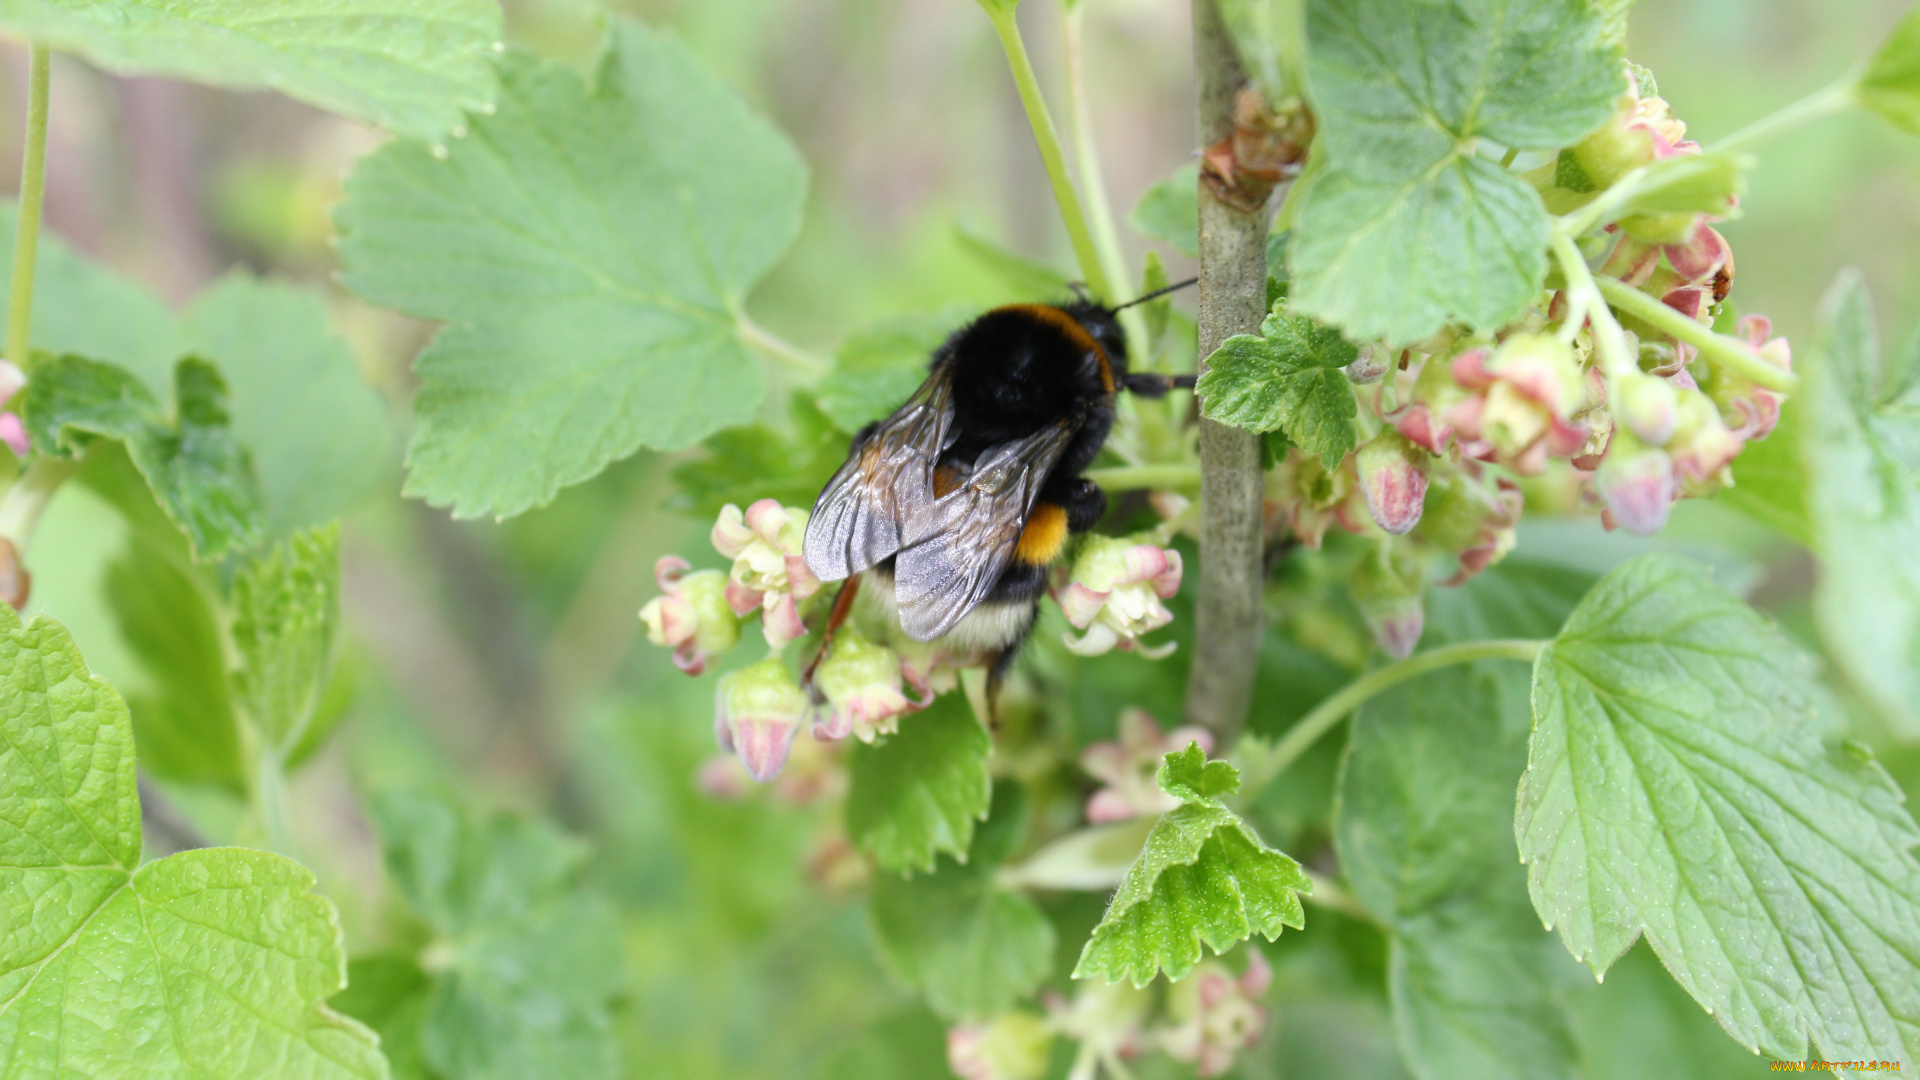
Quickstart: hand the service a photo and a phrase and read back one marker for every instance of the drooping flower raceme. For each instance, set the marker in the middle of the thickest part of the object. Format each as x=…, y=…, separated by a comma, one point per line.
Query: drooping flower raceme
x=691, y=616
x=1128, y=766
x=1115, y=593
x=769, y=573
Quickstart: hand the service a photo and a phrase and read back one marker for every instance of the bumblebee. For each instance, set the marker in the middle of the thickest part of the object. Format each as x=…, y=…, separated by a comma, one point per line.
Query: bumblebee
x=948, y=514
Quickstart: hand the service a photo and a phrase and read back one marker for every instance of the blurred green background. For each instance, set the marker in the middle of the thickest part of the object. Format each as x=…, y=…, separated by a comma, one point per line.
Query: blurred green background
x=506, y=659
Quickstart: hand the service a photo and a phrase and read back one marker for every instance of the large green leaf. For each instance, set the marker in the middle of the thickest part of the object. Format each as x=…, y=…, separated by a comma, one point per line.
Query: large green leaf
x=919, y=792
x=526, y=960
x=590, y=248
x=213, y=962
x=969, y=945
x=1288, y=379
x=319, y=434
x=409, y=65
x=1677, y=786
x=1203, y=878
x=1863, y=495
x=1425, y=836
x=1408, y=227
x=198, y=470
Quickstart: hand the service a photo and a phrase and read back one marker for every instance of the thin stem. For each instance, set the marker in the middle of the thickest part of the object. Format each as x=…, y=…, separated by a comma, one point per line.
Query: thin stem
x=1233, y=299
x=807, y=363
x=1822, y=102
x=1717, y=348
x=1577, y=223
x=1106, y=235
x=1325, y=715
x=1585, y=301
x=1506, y=159
x=1048, y=140
x=33, y=186
x=26, y=500
x=1329, y=894
x=1133, y=477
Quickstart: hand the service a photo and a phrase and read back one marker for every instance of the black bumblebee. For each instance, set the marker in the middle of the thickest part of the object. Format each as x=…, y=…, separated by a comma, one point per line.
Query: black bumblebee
x=951, y=510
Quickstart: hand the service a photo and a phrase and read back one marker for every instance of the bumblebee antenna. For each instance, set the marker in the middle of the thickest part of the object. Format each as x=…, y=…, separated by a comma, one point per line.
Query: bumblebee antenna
x=1157, y=293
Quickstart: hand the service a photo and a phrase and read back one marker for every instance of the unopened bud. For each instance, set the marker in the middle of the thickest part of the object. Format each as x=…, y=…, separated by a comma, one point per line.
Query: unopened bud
x=756, y=711
x=1387, y=587
x=861, y=682
x=1371, y=366
x=1636, y=484
x=1011, y=1046
x=13, y=432
x=1393, y=476
x=1647, y=405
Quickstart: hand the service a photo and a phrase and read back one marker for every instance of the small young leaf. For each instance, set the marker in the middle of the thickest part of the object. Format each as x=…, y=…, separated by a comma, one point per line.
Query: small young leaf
x=209, y=962
x=918, y=793
x=286, y=606
x=1170, y=211
x=1891, y=85
x=1287, y=379
x=1187, y=775
x=970, y=946
x=530, y=969
x=589, y=248
x=202, y=476
x=1408, y=228
x=319, y=435
x=1677, y=786
x=1863, y=502
x=408, y=65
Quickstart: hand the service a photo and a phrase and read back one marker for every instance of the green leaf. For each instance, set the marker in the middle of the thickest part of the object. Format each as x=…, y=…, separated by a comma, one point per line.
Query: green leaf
x=1408, y=228
x=918, y=793
x=1170, y=211
x=319, y=435
x=741, y=465
x=389, y=994
x=286, y=607
x=202, y=476
x=1771, y=478
x=1288, y=379
x=1677, y=786
x=1425, y=836
x=590, y=248
x=1187, y=775
x=210, y=962
x=1023, y=276
x=879, y=367
x=971, y=947
x=1891, y=85
x=81, y=308
x=411, y=66
x=1863, y=500
x=527, y=960
x=1204, y=876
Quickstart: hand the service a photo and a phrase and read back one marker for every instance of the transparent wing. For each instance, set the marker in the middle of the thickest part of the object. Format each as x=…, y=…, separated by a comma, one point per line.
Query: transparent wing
x=961, y=546
x=867, y=510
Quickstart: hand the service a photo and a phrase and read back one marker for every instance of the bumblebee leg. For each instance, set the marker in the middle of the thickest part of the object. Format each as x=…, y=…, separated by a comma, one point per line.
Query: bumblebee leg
x=1082, y=499
x=842, y=607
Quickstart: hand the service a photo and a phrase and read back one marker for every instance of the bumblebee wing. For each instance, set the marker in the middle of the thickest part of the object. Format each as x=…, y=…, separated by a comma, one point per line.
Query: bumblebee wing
x=950, y=564
x=865, y=512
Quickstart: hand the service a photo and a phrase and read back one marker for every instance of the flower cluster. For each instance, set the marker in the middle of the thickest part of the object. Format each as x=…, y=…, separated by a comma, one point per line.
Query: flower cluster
x=769, y=573
x=1626, y=408
x=1129, y=765
x=1214, y=1014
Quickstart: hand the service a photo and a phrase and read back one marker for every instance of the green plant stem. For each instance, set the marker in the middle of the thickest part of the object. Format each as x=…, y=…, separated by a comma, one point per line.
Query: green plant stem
x=1329, y=894
x=809, y=364
x=33, y=186
x=1717, y=348
x=1822, y=102
x=1506, y=159
x=1048, y=140
x=267, y=799
x=1356, y=693
x=1133, y=477
x=1106, y=235
x=1585, y=301
x=26, y=500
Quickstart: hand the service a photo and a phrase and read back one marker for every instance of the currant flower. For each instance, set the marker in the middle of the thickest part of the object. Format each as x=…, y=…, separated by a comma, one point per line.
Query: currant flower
x=1216, y=1015
x=1115, y=593
x=1388, y=587
x=861, y=682
x=1129, y=764
x=691, y=616
x=756, y=711
x=769, y=572
x=1393, y=478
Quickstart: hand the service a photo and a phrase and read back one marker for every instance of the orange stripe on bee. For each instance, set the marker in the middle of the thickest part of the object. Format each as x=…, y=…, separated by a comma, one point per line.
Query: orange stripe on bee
x=945, y=479
x=1044, y=535
x=1076, y=333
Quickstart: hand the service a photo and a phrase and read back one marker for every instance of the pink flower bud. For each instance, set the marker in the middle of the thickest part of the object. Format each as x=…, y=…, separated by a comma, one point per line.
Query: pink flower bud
x=692, y=617
x=1129, y=765
x=1636, y=485
x=1387, y=586
x=13, y=432
x=756, y=712
x=861, y=682
x=1689, y=301
x=1393, y=477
